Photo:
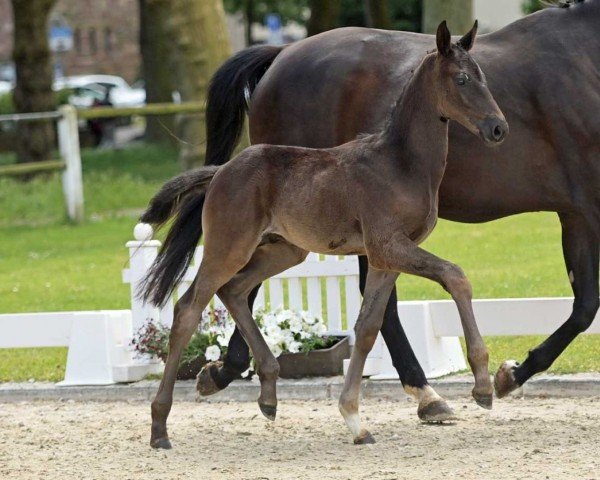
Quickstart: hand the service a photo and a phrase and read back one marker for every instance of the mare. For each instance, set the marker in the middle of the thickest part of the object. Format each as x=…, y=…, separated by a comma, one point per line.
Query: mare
x=544, y=71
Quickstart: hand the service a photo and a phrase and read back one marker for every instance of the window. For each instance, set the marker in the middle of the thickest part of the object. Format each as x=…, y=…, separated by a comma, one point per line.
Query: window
x=77, y=40
x=108, y=39
x=93, y=41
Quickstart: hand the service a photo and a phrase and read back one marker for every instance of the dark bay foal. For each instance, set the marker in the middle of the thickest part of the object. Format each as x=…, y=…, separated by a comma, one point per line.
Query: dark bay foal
x=375, y=196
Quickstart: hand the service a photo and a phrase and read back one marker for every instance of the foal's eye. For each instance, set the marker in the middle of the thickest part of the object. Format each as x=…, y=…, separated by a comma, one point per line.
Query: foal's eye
x=462, y=78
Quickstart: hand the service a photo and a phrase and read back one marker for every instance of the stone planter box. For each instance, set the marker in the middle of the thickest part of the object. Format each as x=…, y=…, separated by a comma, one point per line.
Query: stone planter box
x=327, y=362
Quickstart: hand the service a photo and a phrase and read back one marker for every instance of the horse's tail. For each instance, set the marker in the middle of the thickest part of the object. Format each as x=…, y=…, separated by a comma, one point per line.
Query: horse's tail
x=183, y=198
x=229, y=90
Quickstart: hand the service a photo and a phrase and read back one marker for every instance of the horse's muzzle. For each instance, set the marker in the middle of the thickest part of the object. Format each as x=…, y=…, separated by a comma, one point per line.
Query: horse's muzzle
x=493, y=130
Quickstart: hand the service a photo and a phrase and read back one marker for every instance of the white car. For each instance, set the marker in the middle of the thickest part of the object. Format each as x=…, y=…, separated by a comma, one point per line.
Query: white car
x=121, y=93
x=5, y=87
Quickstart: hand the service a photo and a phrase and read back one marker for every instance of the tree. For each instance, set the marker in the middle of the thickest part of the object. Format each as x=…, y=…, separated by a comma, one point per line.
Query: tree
x=324, y=15
x=378, y=14
x=200, y=40
x=33, y=90
x=458, y=14
x=158, y=77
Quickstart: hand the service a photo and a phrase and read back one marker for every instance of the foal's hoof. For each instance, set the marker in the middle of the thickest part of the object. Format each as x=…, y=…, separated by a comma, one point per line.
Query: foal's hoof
x=205, y=383
x=163, y=443
x=435, y=412
x=268, y=411
x=505, y=381
x=484, y=400
x=365, y=438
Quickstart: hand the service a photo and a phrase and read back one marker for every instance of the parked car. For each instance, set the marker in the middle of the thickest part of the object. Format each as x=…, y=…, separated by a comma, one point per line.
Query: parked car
x=88, y=87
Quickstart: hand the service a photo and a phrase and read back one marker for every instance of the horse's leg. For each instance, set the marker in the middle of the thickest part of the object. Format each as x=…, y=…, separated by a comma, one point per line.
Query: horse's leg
x=402, y=255
x=216, y=376
x=378, y=286
x=188, y=312
x=581, y=249
x=268, y=260
x=432, y=407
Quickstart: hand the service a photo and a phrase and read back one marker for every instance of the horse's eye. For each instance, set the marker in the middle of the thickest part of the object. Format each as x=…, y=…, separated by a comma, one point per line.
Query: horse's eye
x=462, y=78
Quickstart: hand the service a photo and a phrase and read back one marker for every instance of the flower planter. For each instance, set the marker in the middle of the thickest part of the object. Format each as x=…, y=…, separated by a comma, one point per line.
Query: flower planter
x=189, y=370
x=326, y=362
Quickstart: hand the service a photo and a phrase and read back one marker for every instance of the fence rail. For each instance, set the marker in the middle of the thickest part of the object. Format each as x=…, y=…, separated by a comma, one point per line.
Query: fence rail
x=68, y=118
x=32, y=167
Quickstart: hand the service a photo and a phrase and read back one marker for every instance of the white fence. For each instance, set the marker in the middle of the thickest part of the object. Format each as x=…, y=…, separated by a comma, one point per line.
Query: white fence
x=98, y=341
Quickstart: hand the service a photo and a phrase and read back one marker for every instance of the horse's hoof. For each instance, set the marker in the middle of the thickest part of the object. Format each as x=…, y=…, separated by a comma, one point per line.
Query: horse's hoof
x=365, y=438
x=268, y=411
x=163, y=443
x=505, y=381
x=205, y=383
x=484, y=400
x=436, y=412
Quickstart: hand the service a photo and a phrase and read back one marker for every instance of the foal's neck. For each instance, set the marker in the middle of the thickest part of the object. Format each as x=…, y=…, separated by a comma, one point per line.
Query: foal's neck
x=416, y=134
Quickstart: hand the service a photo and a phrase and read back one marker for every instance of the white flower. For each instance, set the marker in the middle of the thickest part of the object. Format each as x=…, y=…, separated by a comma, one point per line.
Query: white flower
x=276, y=349
x=212, y=353
x=296, y=325
x=294, y=347
x=308, y=317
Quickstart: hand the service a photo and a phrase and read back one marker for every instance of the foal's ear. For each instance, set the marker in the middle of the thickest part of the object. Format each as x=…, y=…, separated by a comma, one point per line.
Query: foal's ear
x=442, y=38
x=468, y=40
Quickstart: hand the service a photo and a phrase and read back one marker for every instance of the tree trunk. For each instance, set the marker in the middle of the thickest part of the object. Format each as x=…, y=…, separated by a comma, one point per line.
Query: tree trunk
x=158, y=77
x=33, y=91
x=324, y=15
x=200, y=42
x=458, y=14
x=249, y=14
x=377, y=14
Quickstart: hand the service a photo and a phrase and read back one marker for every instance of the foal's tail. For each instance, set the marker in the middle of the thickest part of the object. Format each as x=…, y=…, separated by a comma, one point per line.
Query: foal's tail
x=183, y=198
x=230, y=89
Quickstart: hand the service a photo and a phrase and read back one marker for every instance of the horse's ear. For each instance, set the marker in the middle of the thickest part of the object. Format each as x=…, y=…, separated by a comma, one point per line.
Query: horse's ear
x=468, y=40
x=444, y=44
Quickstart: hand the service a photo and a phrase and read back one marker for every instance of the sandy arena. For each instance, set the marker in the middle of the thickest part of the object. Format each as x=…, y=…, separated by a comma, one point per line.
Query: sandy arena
x=520, y=438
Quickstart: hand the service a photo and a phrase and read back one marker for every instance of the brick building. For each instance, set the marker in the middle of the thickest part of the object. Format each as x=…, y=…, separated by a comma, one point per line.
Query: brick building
x=105, y=36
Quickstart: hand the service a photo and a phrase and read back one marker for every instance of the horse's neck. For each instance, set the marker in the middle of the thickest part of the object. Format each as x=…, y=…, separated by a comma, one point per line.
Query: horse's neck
x=416, y=136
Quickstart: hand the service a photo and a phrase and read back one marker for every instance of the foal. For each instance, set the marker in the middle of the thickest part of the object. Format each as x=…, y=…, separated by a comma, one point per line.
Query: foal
x=375, y=196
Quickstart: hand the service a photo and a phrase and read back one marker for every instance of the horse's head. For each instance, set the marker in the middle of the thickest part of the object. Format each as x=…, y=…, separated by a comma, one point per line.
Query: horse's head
x=463, y=94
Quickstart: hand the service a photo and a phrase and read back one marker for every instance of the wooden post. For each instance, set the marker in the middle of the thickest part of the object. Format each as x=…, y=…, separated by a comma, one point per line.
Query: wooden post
x=68, y=142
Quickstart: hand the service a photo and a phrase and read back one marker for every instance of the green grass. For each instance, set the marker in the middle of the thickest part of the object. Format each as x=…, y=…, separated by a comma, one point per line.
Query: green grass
x=46, y=264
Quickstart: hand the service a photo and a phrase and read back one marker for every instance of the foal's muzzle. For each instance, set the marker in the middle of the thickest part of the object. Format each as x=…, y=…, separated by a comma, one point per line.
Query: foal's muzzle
x=493, y=130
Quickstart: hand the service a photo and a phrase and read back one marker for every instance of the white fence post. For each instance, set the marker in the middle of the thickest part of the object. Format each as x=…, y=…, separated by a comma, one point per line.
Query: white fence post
x=142, y=252
x=68, y=142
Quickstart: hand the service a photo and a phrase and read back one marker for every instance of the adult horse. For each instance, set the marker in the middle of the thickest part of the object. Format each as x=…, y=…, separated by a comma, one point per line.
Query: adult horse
x=544, y=71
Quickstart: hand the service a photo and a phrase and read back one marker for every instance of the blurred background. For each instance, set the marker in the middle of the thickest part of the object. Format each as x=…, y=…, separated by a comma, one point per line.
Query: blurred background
x=126, y=53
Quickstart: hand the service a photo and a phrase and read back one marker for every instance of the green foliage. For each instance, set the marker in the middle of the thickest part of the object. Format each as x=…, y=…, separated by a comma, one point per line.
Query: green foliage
x=6, y=104
x=530, y=6
x=405, y=14
x=289, y=10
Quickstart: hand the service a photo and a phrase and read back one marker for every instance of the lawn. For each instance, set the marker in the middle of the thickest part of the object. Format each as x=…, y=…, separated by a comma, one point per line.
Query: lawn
x=46, y=264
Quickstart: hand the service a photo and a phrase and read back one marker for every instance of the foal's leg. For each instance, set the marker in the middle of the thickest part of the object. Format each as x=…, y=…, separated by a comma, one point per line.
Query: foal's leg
x=216, y=376
x=432, y=407
x=377, y=291
x=581, y=249
x=188, y=312
x=268, y=260
x=402, y=255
